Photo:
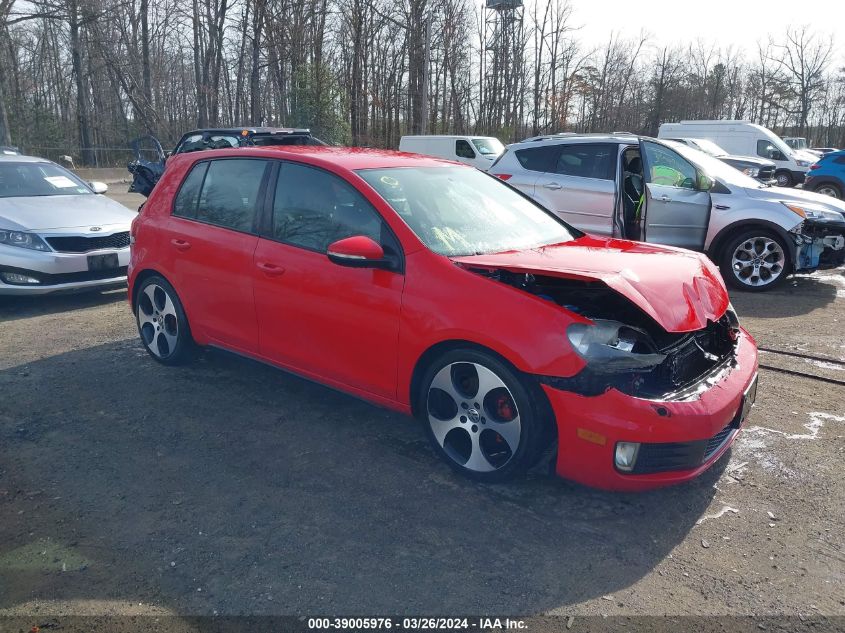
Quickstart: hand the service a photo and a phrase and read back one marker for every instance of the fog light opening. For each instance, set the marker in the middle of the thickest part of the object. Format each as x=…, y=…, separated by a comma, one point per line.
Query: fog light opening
x=626, y=455
x=15, y=278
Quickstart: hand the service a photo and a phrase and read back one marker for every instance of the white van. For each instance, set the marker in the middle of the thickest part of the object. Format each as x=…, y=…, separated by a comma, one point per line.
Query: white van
x=478, y=151
x=745, y=139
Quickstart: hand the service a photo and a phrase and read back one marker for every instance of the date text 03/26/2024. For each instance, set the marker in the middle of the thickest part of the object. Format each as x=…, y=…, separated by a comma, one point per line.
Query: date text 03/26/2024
x=416, y=624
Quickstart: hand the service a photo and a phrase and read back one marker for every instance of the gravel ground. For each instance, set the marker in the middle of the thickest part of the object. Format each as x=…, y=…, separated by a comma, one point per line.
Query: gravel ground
x=230, y=488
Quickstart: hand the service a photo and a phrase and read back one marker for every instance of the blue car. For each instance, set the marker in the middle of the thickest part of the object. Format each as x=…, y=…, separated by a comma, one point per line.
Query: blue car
x=827, y=176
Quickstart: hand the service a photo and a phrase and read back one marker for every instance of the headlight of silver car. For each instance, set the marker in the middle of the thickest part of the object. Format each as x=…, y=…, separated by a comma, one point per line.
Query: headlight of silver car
x=814, y=213
x=23, y=240
x=613, y=346
x=751, y=171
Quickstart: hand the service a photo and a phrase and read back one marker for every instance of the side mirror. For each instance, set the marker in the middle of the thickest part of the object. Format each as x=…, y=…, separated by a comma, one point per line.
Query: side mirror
x=98, y=187
x=358, y=251
x=705, y=182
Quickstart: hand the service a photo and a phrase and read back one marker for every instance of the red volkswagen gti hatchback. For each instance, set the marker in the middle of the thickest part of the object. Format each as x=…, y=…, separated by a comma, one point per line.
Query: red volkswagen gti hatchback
x=436, y=290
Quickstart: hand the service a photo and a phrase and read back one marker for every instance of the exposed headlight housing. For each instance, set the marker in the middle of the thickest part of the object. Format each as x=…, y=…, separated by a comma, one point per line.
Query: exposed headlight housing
x=614, y=346
x=23, y=240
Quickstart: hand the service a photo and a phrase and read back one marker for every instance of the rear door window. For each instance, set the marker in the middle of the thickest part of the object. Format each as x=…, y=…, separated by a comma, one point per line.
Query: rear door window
x=543, y=158
x=228, y=195
x=586, y=160
x=185, y=205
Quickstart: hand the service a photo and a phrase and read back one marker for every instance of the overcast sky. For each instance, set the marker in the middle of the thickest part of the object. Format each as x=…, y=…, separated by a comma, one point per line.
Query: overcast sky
x=727, y=22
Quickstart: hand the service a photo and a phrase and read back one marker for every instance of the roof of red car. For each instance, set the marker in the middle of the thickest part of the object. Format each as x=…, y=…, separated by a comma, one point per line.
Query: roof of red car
x=345, y=157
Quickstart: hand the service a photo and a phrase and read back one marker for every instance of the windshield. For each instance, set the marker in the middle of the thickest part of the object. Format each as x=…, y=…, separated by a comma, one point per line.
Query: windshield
x=709, y=147
x=715, y=168
x=459, y=211
x=489, y=147
x=18, y=180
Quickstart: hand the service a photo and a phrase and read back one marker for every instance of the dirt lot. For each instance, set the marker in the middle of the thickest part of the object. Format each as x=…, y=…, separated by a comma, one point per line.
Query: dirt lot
x=226, y=487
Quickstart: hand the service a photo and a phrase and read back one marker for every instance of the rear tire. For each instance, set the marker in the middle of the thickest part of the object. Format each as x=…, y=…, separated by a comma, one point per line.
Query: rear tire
x=482, y=417
x=162, y=323
x=755, y=260
x=829, y=189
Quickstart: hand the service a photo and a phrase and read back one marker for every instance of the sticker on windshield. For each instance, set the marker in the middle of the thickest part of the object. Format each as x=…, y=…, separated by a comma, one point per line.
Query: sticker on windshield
x=390, y=181
x=61, y=182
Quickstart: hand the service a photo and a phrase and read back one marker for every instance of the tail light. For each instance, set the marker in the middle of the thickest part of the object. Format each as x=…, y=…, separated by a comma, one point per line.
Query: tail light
x=503, y=176
x=816, y=166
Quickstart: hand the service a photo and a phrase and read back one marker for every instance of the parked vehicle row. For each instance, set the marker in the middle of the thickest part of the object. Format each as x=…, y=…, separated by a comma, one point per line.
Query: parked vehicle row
x=757, y=168
x=665, y=192
x=743, y=138
x=434, y=289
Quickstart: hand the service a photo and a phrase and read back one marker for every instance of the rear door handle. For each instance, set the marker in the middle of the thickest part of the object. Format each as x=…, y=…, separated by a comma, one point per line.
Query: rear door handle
x=270, y=269
x=552, y=185
x=181, y=245
x=665, y=198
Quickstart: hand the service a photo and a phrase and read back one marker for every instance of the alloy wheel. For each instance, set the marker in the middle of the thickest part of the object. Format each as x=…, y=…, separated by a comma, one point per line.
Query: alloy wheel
x=158, y=321
x=758, y=261
x=828, y=190
x=473, y=416
x=783, y=180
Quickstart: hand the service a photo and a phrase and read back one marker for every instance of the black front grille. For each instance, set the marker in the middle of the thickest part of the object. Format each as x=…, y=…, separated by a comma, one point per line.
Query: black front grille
x=668, y=456
x=81, y=244
x=766, y=173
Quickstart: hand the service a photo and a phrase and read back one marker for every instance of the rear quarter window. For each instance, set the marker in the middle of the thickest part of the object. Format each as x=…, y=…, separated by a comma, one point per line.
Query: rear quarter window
x=541, y=158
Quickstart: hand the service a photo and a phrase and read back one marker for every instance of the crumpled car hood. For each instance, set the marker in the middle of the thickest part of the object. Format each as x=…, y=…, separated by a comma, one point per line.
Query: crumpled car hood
x=681, y=290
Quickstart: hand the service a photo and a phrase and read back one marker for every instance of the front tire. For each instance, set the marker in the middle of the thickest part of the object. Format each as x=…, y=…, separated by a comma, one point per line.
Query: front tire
x=755, y=261
x=162, y=324
x=784, y=179
x=829, y=189
x=481, y=416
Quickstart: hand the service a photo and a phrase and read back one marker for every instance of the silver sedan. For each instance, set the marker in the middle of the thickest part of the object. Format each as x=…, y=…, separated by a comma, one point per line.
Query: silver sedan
x=56, y=233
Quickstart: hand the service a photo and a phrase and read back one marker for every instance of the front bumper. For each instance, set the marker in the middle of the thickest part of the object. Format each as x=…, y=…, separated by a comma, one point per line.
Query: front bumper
x=58, y=272
x=590, y=426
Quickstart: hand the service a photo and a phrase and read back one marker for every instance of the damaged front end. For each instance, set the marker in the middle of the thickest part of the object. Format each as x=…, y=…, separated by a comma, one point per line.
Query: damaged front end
x=148, y=165
x=819, y=245
x=624, y=348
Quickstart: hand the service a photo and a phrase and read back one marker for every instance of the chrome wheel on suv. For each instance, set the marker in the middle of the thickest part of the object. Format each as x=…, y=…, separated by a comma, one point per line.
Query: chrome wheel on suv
x=828, y=189
x=755, y=261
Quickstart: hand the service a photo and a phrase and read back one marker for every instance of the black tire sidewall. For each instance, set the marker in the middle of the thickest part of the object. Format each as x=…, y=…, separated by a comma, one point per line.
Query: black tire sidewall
x=787, y=175
x=184, y=341
x=830, y=185
x=531, y=427
x=727, y=255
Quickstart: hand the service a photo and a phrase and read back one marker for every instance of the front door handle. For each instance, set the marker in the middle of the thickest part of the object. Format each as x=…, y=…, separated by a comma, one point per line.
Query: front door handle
x=181, y=245
x=665, y=198
x=270, y=269
x=552, y=185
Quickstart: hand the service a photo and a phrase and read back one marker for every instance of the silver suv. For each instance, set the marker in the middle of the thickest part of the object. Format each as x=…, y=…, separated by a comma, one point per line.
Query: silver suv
x=665, y=192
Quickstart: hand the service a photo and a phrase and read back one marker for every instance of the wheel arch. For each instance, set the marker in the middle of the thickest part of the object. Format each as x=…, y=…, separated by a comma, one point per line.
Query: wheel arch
x=717, y=246
x=139, y=279
x=438, y=349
